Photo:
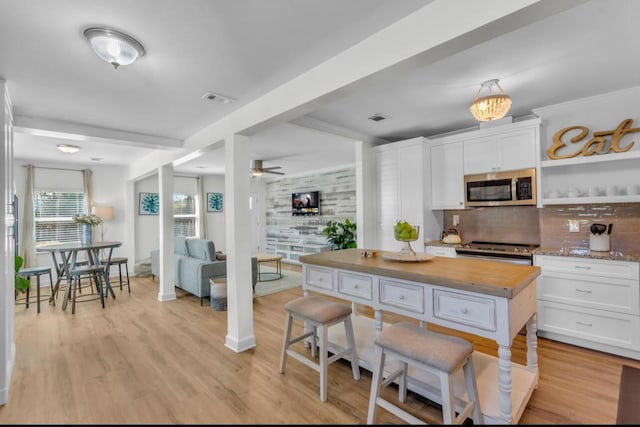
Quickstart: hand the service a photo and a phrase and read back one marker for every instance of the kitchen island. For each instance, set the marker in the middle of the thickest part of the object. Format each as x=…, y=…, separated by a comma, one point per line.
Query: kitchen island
x=489, y=299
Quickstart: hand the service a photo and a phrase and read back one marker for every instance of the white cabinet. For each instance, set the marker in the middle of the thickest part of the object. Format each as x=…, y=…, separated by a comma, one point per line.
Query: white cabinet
x=400, y=189
x=499, y=148
x=503, y=151
x=592, y=303
x=447, y=175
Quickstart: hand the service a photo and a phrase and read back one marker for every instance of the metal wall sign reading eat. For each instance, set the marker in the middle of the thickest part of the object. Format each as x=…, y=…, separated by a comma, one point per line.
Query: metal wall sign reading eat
x=598, y=143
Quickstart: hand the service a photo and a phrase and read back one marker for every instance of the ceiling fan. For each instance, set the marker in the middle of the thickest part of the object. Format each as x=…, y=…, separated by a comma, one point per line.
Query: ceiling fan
x=258, y=170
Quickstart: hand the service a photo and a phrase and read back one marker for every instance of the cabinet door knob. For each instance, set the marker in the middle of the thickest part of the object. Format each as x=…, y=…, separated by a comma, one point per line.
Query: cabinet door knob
x=584, y=267
x=464, y=310
x=401, y=297
x=355, y=286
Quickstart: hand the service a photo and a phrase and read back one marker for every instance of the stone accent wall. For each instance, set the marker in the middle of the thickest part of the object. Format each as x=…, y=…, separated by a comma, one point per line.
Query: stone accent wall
x=337, y=195
x=625, y=217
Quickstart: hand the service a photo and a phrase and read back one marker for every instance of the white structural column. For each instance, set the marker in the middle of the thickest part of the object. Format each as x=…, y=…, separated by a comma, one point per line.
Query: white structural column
x=167, y=290
x=240, y=335
x=7, y=301
x=365, y=195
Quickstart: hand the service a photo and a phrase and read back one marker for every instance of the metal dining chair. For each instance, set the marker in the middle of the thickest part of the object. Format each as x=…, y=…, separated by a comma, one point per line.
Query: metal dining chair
x=99, y=275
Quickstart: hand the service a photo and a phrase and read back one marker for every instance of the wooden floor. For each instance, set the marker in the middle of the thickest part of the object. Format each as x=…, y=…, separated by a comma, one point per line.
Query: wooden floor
x=140, y=361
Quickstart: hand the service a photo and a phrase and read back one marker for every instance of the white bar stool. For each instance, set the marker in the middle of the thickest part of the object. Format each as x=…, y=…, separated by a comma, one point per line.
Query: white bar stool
x=320, y=314
x=440, y=354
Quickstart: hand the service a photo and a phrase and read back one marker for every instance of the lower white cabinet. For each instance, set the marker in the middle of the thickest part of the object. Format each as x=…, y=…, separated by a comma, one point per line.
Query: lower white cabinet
x=592, y=303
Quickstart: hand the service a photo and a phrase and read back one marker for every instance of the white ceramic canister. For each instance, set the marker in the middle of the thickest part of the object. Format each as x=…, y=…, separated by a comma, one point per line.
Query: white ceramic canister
x=599, y=242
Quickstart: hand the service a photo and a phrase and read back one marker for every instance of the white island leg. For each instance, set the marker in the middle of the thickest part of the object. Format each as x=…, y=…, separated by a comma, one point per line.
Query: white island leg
x=532, y=345
x=504, y=381
x=378, y=318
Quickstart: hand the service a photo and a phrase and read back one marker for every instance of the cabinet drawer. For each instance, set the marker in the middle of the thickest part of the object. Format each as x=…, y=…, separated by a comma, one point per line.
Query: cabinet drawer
x=622, y=296
x=598, y=326
x=405, y=296
x=591, y=267
x=356, y=285
x=465, y=309
x=319, y=277
x=442, y=251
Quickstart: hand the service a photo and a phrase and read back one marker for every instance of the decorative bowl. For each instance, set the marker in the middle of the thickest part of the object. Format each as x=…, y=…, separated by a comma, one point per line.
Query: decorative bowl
x=409, y=234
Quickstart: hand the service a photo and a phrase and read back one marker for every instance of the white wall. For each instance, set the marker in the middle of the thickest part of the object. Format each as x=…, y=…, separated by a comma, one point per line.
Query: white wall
x=108, y=190
x=146, y=226
x=215, y=220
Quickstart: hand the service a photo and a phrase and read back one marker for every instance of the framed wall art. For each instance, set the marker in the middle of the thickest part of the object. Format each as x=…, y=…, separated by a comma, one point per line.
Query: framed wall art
x=214, y=202
x=149, y=204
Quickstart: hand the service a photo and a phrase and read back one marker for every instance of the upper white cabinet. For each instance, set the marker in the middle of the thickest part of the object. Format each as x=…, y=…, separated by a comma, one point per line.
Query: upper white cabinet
x=498, y=148
x=447, y=175
x=400, y=189
x=504, y=148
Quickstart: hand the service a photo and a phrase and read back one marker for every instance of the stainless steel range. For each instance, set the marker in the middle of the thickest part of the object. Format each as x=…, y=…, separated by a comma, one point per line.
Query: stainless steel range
x=513, y=253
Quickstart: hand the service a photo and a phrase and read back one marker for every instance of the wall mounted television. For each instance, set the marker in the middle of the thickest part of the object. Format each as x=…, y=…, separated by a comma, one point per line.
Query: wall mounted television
x=305, y=203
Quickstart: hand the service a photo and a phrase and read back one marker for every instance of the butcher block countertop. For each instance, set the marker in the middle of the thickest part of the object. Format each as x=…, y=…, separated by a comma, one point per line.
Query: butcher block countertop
x=487, y=277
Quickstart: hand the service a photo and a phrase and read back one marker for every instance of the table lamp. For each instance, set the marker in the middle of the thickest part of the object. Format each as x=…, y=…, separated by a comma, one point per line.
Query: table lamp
x=106, y=214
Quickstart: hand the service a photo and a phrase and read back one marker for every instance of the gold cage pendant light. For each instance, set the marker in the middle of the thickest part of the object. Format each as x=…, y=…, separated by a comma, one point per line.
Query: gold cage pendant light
x=491, y=106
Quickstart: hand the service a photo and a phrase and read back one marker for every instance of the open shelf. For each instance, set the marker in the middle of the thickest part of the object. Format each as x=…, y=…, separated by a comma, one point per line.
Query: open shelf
x=600, y=199
x=596, y=158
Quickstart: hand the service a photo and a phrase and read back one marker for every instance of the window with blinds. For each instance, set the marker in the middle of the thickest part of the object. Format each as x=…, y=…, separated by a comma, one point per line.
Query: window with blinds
x=184, y=215
x=53, y=216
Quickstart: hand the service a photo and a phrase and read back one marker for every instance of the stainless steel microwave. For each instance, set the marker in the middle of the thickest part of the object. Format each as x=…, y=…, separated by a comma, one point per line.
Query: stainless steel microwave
x=508, y=188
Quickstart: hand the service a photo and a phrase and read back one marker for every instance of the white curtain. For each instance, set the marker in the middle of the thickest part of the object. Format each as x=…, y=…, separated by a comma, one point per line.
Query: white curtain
x=202, y=207
x=28, y=239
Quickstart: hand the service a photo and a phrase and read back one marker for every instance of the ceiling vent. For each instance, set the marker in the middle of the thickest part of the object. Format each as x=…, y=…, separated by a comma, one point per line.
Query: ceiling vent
x=218, y=98
x=378, y=117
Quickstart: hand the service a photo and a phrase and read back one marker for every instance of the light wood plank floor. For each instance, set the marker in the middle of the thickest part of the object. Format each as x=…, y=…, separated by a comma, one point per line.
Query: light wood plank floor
x=140, y=361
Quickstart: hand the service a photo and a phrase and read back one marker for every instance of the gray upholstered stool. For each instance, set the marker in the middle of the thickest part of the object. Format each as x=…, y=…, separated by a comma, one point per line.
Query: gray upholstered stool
x=320, y=314
x=119, y=261
x=36, y=271
x=439, y=354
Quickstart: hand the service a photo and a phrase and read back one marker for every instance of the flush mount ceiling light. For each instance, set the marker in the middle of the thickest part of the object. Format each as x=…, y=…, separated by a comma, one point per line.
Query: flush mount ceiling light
x=113, y=46
x=67, y=148
x=490, y=106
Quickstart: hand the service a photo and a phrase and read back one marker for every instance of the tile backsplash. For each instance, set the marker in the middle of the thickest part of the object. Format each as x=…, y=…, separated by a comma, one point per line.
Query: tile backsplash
x=549, y=226
x=502, y=224
x=625, y=217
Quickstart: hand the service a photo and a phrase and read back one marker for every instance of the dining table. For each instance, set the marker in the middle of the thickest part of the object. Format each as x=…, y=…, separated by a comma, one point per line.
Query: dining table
x=68, y=253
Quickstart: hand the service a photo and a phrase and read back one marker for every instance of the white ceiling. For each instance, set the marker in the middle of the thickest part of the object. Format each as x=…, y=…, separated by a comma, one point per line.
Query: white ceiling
x=244, y=48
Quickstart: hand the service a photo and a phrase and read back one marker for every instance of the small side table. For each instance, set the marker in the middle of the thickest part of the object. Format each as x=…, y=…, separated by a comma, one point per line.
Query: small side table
x=271, y=275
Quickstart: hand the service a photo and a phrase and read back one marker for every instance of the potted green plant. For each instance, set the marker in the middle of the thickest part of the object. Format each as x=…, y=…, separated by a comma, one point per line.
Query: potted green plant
x=341, y=235
x=21, y=283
